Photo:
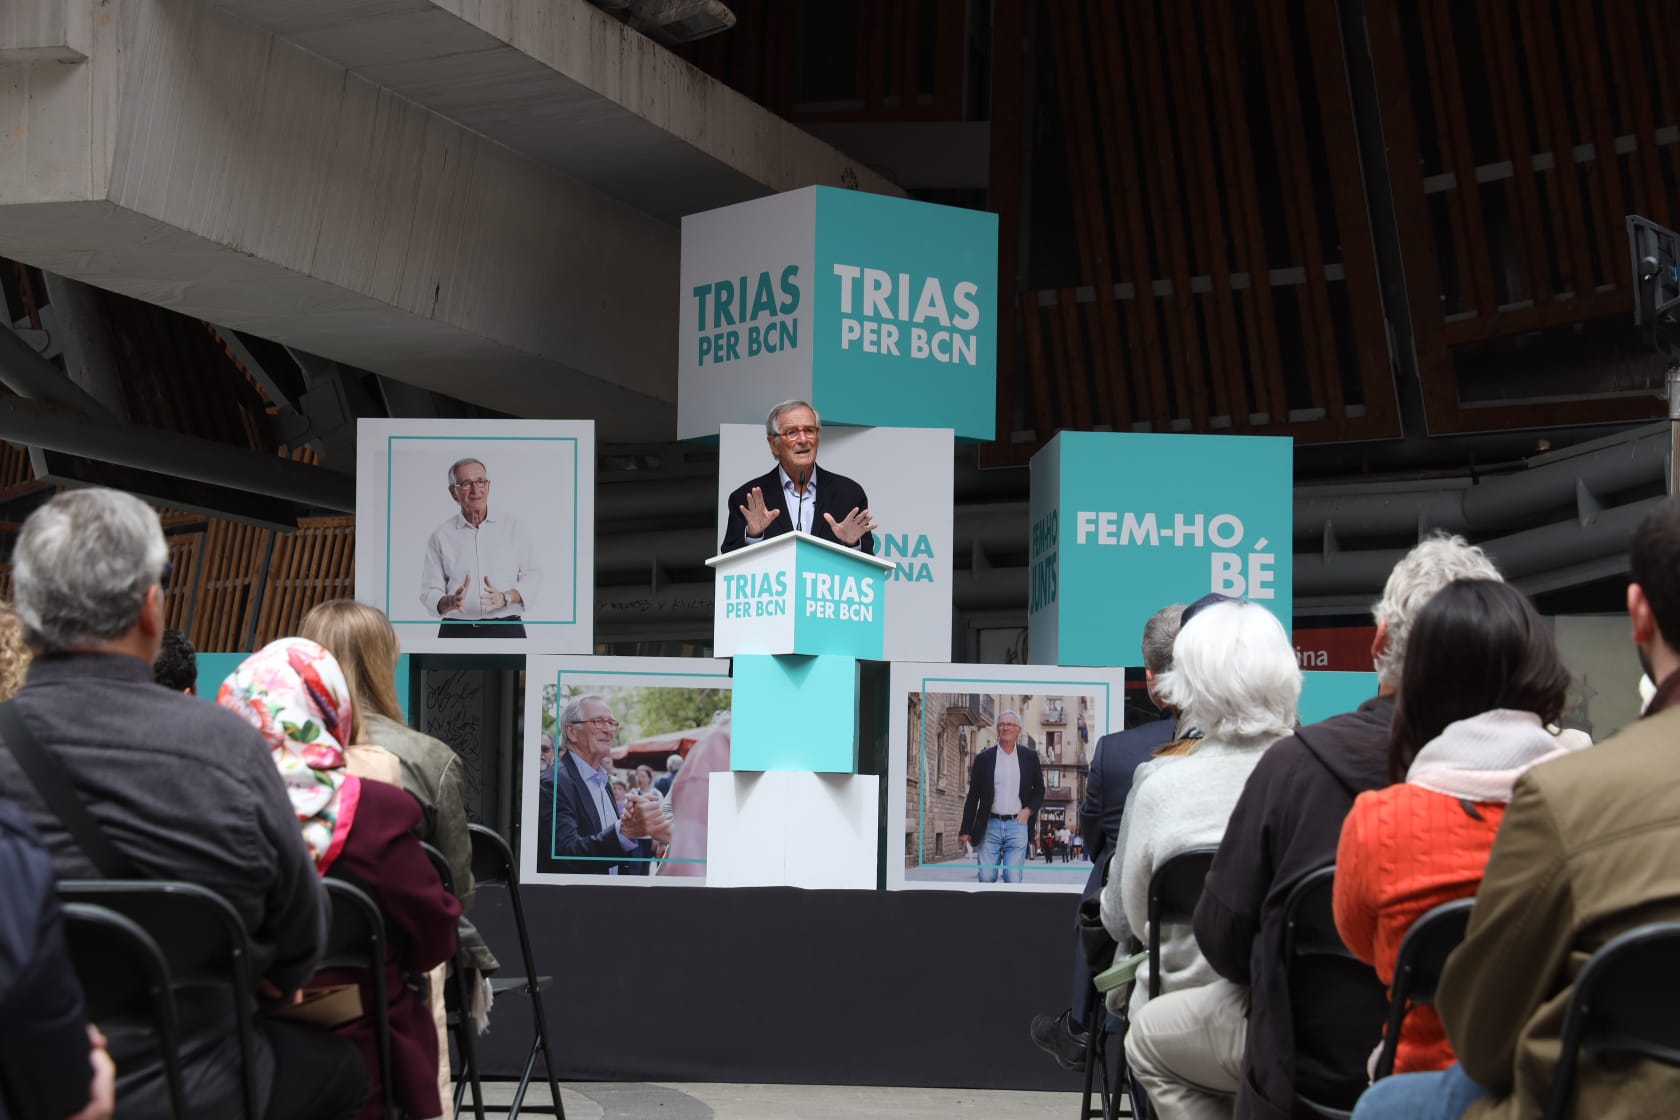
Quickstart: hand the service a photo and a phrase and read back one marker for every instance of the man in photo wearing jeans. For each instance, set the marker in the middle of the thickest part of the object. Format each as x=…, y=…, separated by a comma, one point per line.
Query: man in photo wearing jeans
x=1005, y=790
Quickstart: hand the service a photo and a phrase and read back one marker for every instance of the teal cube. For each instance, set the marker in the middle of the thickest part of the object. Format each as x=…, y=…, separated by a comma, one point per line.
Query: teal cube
x=795, y=712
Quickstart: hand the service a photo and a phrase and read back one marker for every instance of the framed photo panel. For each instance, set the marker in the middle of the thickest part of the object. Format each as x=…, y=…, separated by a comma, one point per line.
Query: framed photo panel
x=478, y=536
x=616, y=767
x=951, y=825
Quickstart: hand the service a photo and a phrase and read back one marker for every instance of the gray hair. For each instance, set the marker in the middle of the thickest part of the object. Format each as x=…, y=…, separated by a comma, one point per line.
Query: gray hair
x=673, y=763
x=773, y=422
x=83, y=565
x=459, y=463
x=573, y=712
x=1414, y=581
x=1158, y=636
x=1009, y=712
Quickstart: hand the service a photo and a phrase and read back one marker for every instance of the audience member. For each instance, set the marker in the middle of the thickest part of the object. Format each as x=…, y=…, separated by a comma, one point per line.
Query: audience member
x=294, y=693
x=1589, y=848
x=181, y=790
x=14, y=653
x=52, y=1062
x=365, y=645
x=1114, y=759
x=689, y=800
x=1235, y=677
x=176, y=666
x=1313, y=1038
x=1482, y=680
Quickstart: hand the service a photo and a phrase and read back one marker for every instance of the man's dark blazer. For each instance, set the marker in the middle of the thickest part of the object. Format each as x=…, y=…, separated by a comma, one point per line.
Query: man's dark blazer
x=836, y=494
x=571, y=825
x=1115, y=759
x=977, y=809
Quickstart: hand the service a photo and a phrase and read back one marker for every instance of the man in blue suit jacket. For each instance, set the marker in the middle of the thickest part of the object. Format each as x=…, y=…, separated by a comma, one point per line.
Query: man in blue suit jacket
x=583, y=831
x=1113, y=762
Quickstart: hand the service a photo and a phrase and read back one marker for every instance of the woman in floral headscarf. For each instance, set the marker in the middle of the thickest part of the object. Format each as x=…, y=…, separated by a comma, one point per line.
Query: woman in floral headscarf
x=293, y=691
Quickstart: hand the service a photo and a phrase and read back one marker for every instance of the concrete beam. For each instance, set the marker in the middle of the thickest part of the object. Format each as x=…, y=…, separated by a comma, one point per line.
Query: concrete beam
x=44, y=31
x=572, y=88
x=200, y=163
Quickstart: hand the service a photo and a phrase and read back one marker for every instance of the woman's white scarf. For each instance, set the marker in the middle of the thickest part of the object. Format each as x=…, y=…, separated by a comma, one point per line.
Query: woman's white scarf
x=1481, y=758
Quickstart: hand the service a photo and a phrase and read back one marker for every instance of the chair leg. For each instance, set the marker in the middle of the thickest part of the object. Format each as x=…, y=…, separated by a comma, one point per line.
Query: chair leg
x=541, y=1018
x=1093, y=1052
x=468, y=1047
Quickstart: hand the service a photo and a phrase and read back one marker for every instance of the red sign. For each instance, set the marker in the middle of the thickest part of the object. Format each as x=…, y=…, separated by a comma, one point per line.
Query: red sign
x=1341, y=649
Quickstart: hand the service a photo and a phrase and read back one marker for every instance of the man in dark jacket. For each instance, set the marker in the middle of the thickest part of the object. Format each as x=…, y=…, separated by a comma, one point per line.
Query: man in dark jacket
x=182, y=789
x=1314, y=1036
x=1113, y=761
x=1005, y=792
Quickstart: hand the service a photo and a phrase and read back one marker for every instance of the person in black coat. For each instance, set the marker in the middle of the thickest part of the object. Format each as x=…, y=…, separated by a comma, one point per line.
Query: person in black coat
x=796, y=495
x=1113, y=762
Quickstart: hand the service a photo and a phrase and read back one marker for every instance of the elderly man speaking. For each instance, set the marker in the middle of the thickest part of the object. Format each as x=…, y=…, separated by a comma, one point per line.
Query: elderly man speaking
x=480, y=573
x=796, y=495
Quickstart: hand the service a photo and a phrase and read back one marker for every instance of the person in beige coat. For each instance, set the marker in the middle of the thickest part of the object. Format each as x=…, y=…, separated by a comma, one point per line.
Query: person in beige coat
x=1589, y=848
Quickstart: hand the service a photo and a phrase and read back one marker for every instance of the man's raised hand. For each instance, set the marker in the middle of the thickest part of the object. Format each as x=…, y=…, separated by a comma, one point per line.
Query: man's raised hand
x=453, y=602
x=758, y=515
x=849, y=530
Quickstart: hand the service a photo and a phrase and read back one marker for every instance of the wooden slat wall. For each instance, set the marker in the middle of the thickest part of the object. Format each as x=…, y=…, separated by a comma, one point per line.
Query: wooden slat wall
x=310, y=566
x=1226, y=275
x=234, y=556
x=1535, y=128
x=761, y=56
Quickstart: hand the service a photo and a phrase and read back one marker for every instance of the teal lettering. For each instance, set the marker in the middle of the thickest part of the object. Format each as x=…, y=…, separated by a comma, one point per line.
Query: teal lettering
x=790, y=289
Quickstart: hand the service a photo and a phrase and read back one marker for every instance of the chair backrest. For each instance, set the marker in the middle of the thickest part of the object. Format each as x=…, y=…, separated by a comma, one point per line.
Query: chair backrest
x=1309, y=918
x=492, y=863
x=203, y=941
x=1174, y=890
x=356, y=939
x=1624, y=1000
x=124, y=976
x=1417, y=969
x=441, y=865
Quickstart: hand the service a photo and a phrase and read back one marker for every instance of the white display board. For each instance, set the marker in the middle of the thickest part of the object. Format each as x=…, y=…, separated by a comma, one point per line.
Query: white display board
x=664, y=706
x=908, y=474
x=943, y=719
x=792, y=829
x=414, y=539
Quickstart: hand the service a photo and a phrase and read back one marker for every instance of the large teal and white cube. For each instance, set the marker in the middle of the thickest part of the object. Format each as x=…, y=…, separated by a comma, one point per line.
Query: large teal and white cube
x=1124, y=523
x=880, y=311
x=797, y=594
x=795, y=712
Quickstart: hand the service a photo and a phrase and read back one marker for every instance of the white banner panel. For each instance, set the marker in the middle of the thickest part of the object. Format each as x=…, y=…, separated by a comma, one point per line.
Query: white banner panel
x=498, y=557
x=908, y=474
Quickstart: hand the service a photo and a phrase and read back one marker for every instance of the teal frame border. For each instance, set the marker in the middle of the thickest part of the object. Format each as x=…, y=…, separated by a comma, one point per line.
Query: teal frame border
x=921, y=731
x=391, y=440
x=554, y=807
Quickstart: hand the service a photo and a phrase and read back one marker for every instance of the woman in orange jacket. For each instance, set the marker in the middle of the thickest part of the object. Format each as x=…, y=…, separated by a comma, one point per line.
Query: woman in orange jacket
x=1482, y=682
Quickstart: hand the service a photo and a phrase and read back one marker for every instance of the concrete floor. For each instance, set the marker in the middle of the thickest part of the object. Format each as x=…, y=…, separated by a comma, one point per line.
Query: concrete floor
x=604, y=1100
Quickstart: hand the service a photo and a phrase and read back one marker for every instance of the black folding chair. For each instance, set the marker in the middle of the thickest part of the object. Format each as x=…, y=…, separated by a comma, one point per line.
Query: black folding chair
x=1174, y=890
x=1309, y=935
x=1417, y=970
x=203, y=941
x=493, y=866
x=455, y=1002
x=1623, y=1000
x=124, y=976
x=356, y=939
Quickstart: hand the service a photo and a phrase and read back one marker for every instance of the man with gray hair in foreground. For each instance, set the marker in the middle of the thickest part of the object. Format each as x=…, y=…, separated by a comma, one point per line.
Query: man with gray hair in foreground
x=1309, y=1039
x=176, y=789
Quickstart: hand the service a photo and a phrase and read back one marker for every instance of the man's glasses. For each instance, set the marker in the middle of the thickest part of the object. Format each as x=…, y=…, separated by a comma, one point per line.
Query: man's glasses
x=473, y=484
x=601, y=723
x=807, y=431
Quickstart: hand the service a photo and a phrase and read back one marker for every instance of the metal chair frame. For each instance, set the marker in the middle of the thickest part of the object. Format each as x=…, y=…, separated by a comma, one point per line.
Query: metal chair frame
x=356, y=939
x=1417, y=970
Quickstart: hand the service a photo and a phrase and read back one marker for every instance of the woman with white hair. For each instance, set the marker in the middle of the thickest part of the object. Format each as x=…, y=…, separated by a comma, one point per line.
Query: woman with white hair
x=1235, y=678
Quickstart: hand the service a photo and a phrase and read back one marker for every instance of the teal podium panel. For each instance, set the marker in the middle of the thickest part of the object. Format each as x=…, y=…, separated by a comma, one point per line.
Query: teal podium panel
x=880, y=311
x=1124, y=523
x=795, y=712
x=797, y=594
x=1325, y=694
